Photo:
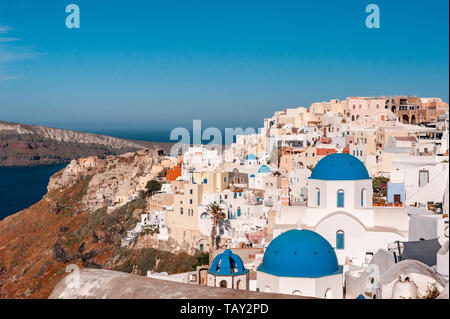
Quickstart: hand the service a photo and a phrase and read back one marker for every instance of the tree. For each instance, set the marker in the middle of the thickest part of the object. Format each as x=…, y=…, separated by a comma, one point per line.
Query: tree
x=216, y=213
x=379, y=185
x=153, y=186
x=163, y=173
x=274, y=155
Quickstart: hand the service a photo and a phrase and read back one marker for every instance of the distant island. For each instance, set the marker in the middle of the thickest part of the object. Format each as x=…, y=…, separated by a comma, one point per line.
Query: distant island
x=28, y=145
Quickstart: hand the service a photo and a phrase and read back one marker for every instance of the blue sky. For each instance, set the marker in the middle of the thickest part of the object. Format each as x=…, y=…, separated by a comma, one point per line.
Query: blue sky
x=160, y=64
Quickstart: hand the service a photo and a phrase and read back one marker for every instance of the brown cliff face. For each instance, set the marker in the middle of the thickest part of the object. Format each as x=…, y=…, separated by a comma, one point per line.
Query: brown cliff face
x=24, y=145
x=72, y=225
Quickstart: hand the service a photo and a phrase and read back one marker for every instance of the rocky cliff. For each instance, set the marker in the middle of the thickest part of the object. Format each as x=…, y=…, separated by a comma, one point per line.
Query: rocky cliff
x=23, y=144
x=75, y=224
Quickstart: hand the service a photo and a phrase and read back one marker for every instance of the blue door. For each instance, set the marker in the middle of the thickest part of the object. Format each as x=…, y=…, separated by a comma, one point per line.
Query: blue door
x=340, y=199
x=239, y=212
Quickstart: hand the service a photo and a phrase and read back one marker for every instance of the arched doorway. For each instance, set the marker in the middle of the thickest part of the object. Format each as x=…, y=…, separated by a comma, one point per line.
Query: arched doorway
x=329, y=294
x=297, y=293
x=363, y=196
x=413, y=119
x=223, y=284
x=239, y=284
x=405, y=119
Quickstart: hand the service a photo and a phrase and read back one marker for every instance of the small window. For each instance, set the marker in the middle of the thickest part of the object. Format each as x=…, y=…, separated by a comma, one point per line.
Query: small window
x=424, y=178
x=181, y=210
x=318, y=196
x=363, y=196
x=340, y=239
x=204, y=216
x=190, y=191
x=190, y=201
x=340, y=198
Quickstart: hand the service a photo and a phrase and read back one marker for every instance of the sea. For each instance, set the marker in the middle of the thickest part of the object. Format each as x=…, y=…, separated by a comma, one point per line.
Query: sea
x=21, y=187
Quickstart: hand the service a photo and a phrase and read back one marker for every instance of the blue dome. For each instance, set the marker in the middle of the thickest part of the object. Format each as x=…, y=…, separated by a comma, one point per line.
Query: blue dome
x=340, y=167
x=227, y=264
x=264, y=169
x=250, y=157
x=300, y=253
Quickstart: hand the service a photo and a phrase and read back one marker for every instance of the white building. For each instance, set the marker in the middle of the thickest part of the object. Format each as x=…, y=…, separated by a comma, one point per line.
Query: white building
x=227, y=271
x=340, y=209
x=418, y=179
x=256, y=180
x=201, y=157
x=251, y=161
x=300, y=262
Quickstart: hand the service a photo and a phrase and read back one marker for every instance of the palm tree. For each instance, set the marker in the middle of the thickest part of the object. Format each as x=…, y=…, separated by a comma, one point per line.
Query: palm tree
x=216, y=213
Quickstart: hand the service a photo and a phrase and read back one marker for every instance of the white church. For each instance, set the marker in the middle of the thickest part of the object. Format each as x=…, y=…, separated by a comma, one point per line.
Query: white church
x=340, y=209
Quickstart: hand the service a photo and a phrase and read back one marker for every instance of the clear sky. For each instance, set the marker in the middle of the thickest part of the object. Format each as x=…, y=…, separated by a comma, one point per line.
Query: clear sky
x=160, y=64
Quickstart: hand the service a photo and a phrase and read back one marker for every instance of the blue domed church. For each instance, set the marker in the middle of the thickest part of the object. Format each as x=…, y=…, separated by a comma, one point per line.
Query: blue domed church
x=340, y=210
x=227, y=271
x=300, y=262
x=340, y=181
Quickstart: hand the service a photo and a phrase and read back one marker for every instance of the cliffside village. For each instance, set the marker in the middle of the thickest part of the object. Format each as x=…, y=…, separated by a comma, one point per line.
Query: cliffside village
x=343, y=199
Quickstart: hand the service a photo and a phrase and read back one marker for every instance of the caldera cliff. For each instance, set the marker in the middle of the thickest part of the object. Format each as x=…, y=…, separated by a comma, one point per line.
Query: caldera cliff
x=25, y=145
x=75, y=223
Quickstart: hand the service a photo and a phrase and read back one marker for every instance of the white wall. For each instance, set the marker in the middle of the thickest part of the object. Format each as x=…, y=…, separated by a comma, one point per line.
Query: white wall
x=329, y=189
x=312, y=287
x=357, y=239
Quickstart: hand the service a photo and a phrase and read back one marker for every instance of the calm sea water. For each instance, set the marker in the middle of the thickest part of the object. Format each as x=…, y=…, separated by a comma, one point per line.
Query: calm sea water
x=21, y=187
